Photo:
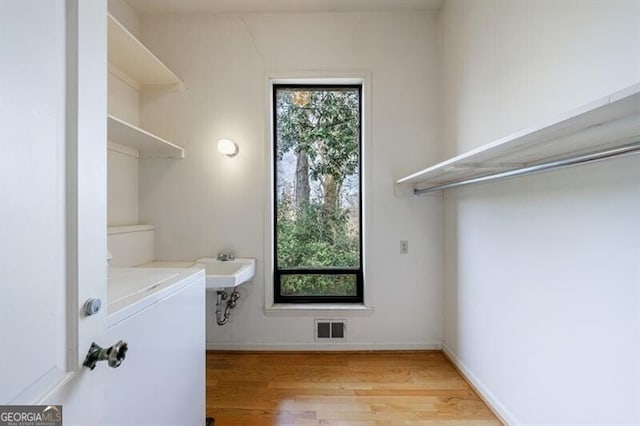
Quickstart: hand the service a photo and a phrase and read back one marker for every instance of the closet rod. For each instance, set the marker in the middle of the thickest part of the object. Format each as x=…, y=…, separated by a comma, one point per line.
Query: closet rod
x=632, y=148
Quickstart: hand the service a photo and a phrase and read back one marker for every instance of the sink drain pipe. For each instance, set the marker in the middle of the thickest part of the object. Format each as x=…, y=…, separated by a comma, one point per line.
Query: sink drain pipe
x=221, y=295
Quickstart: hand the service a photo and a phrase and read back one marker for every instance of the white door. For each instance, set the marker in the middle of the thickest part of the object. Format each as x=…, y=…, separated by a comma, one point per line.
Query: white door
x=52, y=202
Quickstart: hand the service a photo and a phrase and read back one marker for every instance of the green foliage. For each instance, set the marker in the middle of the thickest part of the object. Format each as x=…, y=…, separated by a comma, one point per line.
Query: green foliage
x=321, y=128
x=313, y=236
x=326, y=129
x=318, y=285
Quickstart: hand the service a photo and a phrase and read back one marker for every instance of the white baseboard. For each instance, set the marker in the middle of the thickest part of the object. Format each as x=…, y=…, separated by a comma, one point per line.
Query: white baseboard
x=220, y=346
x=485, y=394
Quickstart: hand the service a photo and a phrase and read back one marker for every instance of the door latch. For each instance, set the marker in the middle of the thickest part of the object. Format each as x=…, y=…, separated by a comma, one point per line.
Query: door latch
x=114, y=355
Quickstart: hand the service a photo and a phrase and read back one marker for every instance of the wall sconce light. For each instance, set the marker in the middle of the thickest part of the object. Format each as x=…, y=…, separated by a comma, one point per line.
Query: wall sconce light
x=228, y=148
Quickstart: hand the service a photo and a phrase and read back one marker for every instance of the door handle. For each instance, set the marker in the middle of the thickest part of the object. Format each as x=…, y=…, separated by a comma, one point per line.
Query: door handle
x=114, y=355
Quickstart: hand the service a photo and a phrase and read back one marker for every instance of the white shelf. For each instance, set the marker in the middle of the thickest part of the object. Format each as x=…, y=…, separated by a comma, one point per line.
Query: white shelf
x=127, y=229
x=605, y=124
x=147, y=144
x=130, y=60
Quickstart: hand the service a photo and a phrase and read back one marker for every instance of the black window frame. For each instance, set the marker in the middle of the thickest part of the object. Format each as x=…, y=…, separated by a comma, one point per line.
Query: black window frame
x=357, y=272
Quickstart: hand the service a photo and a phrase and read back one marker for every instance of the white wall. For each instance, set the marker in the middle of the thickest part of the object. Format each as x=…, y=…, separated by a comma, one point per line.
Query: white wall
x=207, y=203
x=542, y=274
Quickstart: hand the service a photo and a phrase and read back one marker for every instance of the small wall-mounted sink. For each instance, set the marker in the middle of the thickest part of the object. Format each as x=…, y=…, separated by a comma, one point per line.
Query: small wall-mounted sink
x=229, y=273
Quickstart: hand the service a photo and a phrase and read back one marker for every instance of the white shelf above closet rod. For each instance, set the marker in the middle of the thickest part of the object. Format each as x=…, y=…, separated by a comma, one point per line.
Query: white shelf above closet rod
x=606, y=128
x=633, y=148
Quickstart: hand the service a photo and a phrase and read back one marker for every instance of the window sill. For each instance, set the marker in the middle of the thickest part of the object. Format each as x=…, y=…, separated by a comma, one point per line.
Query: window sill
x=315, y=309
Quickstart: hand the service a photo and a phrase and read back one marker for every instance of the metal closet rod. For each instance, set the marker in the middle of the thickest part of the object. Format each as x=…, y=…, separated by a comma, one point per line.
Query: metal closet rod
x=632, y=148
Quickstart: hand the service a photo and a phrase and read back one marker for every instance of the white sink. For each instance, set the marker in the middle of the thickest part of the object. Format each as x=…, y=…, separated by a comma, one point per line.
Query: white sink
x=229, y=273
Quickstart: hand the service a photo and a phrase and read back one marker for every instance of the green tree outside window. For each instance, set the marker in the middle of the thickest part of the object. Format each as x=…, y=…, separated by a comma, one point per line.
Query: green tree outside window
x=317, y=155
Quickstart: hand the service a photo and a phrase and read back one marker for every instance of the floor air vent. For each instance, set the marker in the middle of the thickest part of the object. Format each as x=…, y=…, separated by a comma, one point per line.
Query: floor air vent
x=330, y=329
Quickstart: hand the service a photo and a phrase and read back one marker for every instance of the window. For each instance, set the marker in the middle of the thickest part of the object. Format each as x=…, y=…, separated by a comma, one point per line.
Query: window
x=317, y=193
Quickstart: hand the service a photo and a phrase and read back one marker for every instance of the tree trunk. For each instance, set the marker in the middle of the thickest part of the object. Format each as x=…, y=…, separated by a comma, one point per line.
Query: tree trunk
x=302, y=179
x=331, y=192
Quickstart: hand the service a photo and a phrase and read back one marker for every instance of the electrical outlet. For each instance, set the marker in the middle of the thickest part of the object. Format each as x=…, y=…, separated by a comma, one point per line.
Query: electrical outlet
x=404, y=247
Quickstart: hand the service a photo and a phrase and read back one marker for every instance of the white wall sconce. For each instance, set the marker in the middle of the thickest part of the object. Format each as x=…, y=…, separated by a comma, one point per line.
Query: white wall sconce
x=228, y=148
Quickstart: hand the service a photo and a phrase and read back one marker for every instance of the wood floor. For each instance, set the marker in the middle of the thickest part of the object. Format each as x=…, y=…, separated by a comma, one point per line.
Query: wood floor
x=324, y=388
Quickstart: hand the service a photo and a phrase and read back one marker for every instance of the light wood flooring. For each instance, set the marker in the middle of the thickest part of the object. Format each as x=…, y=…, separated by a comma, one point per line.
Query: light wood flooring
x=347, y=388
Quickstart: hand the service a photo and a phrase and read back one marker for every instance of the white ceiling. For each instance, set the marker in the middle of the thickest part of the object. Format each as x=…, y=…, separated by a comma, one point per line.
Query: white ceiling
x=161, y=7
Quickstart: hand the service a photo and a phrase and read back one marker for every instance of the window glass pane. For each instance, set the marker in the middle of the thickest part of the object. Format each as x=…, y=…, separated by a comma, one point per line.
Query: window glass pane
x=318, y=285
x=317, y=184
